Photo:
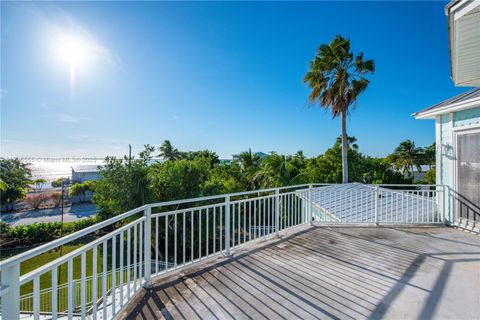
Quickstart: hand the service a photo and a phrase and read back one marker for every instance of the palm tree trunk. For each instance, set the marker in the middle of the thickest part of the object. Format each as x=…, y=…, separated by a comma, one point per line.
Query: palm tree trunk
x=344, y=148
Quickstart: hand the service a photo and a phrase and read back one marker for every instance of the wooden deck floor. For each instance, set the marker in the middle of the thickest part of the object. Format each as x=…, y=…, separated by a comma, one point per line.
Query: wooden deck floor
x=335, y=273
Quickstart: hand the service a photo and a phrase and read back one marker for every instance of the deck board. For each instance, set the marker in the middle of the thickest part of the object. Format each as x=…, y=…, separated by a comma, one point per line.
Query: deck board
x=329, y=273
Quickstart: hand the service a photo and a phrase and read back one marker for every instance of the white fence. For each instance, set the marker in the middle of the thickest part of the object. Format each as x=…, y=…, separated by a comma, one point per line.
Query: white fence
x=161, y=237
x=387, y=204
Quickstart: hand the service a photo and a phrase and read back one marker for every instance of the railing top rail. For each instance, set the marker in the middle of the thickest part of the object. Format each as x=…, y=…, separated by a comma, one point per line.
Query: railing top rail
x=236, y=194
x=407, y=185
x=66, y=239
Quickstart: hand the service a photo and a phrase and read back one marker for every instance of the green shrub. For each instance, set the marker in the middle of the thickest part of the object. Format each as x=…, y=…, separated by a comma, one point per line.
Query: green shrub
x=39, y=232
x=58, y=183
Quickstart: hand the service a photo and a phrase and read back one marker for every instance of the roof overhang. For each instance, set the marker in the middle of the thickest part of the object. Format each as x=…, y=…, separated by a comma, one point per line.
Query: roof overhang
x=464, y=39
x=453, y=107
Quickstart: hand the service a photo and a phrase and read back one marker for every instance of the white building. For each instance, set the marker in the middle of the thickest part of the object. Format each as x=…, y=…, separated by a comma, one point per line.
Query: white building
x=84, y=173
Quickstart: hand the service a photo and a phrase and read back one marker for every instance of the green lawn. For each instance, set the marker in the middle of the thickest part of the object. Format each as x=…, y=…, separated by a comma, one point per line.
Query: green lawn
x=38, y=261
x=45, y=280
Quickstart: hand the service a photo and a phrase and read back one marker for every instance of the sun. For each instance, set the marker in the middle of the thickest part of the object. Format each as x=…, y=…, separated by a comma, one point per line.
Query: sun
x=74, y=52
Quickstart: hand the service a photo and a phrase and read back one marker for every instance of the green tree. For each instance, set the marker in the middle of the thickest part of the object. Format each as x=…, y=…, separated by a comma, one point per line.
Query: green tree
x=168, y=152
x=248, y=163
x=430, y=177
x=207, y=154
x=123, y=184
x=429, y=155
x=15, y=176
x=277, y=171
x=379, y=171
x=406, y=157
x=58, y=183
x=39, y=184
x=223, y=179
x=179, y=179
x=327, y=168
x=3, y=186
x=80, y=189
x=337, y=77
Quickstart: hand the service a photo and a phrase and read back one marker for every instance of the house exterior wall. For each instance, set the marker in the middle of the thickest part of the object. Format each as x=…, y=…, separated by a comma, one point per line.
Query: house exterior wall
x=85, y=176
x=449, y=124
x=466, y=118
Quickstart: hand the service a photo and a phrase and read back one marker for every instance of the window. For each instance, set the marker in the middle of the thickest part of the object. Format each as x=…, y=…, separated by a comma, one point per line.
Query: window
x=468, y=166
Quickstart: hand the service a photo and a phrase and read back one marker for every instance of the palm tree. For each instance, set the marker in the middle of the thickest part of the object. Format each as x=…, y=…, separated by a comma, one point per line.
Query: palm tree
x=277, y=171
x=247, y=160
x=429, y=153
x=406, y=156
x=249, y=163
x=168, y=152
x=337, y=77
x=351, y=142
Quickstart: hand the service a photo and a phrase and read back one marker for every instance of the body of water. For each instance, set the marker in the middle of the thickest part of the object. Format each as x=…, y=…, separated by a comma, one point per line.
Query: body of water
x=52, y=169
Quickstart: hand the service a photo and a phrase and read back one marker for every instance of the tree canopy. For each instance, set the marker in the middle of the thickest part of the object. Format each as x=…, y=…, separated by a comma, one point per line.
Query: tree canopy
x=15, y=178
x=125, y=184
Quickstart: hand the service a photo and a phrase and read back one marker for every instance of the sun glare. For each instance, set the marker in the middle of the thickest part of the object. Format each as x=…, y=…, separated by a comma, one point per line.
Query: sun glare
x=74, y=52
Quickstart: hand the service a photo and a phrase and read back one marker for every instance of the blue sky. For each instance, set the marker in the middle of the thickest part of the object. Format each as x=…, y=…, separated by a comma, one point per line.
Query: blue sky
x=223, y=76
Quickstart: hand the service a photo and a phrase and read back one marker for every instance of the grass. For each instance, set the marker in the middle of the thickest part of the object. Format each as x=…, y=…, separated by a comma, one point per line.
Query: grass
x=46, y=279
x=40, y=260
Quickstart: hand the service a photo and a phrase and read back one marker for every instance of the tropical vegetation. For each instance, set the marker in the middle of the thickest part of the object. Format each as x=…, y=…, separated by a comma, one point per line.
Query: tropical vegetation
x=337, y=77
x=15, y=179
x=128, y=183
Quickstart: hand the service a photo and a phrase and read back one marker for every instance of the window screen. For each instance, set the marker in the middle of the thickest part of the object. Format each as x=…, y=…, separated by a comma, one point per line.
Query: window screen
x=468, y=178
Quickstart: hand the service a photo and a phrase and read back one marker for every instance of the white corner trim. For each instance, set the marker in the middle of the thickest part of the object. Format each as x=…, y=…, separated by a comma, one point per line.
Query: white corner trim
x=466, y=9
x=438, y=150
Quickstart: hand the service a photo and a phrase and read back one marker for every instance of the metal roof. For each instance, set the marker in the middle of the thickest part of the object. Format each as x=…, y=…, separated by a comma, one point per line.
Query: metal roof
x=86, y=168
x=355, y=202
x=463, y=97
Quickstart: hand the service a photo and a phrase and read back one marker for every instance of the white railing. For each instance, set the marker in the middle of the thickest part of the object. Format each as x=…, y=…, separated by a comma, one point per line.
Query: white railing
x=377, y=204
x=188, y=235
x=26, y=300
x=155, y=239
x=159, y=237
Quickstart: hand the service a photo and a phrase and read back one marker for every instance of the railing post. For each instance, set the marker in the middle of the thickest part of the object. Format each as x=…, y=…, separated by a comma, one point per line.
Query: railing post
x=310, y=200
x=441, y=203
x=376, y=205
x=147, y=248
x=448, y=207
x=10, y=292
x=277, y=212
x=227, y=225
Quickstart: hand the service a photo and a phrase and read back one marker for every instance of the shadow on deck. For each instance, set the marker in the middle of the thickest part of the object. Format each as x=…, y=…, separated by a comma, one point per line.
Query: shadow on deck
x=337, y=272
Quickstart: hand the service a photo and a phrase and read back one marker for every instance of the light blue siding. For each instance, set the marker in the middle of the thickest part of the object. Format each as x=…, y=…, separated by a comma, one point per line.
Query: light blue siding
x=461, y=119
x=468, y=117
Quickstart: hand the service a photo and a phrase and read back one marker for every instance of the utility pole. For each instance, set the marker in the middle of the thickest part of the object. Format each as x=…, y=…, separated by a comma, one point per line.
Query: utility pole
x=129, y=154
x=63, y=196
